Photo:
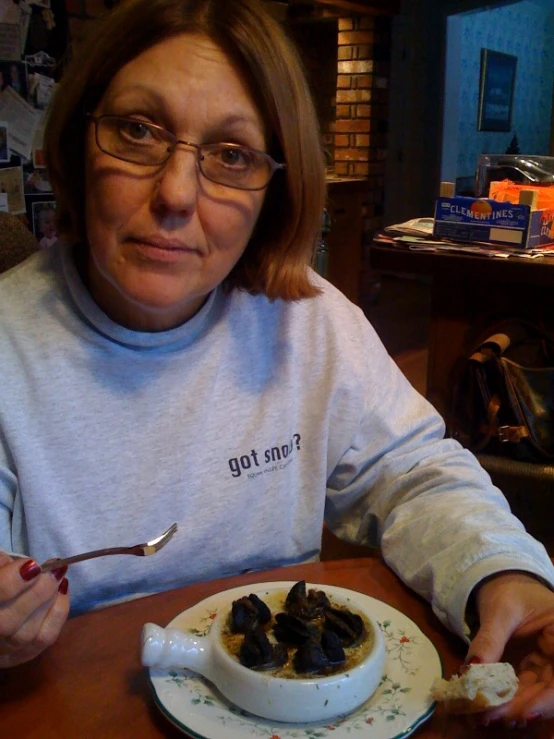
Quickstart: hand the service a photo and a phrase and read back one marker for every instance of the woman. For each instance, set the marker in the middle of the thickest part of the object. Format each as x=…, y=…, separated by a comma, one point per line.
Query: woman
x=175, y=359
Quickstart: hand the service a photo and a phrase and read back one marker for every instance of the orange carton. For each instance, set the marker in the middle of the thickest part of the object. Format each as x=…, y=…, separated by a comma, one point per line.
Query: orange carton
x=487, y=220
x=506, y=190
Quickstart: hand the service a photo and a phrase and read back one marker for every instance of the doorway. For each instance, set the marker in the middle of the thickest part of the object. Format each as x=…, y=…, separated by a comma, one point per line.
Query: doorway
x=521, y=29
x=418, y=129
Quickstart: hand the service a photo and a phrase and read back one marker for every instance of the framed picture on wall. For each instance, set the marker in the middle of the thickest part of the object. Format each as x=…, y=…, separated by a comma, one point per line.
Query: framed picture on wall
x=44, y=222
x=496, y=91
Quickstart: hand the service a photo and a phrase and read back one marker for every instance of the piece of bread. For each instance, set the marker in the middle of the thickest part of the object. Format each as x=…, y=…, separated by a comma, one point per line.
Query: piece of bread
x=480, y=687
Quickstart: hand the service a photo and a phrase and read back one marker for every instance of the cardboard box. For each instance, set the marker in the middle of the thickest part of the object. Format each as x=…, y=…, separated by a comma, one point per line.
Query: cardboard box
x=479, y=219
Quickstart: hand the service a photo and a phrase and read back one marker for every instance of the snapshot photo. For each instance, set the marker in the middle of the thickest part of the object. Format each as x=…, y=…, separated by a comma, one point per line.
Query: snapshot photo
x=4, y=149
x=41, y=88
x=14, y=74
x=38, y=159
x=44, y=222
x=11, y=183
x=37, y=147
x=10, y=41
x=36, y=178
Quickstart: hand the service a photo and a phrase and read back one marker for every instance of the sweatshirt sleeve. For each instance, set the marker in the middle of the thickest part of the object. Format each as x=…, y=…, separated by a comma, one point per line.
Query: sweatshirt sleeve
x=8, y=490
x=441, y=524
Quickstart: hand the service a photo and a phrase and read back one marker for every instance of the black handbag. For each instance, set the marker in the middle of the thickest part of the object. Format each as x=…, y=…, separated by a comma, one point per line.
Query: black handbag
x=503, y=393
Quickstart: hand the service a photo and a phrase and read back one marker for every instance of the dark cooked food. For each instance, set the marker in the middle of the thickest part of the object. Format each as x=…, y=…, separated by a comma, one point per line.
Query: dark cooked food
x=332, y=647
x=248, y=612
x=310, y=658
x=258, y=653
x=293, y=630
x=294, y=644
x=305, y=605
x=318, y=654
x=349, y=627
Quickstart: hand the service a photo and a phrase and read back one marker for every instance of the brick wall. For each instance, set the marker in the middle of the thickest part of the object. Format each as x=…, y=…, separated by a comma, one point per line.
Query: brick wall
x=363, y=71
x=362, y=107
x=317, y=43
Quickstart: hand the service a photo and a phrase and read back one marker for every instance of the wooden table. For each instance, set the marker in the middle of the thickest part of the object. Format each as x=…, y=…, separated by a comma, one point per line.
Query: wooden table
x=469, y=292
x=90, y=684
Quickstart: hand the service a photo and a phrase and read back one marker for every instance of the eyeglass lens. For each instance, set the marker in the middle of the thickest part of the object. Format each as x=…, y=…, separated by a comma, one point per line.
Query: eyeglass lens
x=143, y=143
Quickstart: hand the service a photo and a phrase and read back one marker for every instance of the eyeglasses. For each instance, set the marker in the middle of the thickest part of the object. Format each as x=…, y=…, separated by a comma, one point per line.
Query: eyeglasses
x=135, y=141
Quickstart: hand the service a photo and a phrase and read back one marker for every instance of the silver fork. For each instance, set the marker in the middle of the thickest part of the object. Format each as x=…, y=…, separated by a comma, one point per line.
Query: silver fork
x=139, y=550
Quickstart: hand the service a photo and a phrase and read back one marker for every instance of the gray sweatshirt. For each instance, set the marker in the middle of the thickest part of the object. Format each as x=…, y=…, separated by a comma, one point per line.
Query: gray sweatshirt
x=248, y=426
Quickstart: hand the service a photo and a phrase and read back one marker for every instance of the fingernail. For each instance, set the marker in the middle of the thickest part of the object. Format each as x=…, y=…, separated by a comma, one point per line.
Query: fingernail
x=475, y=660
x=64, y=586
x=59, y=572
x=29, y=570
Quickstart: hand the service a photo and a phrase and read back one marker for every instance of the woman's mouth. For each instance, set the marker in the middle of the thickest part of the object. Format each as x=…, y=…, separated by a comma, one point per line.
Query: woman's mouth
x=169, y=251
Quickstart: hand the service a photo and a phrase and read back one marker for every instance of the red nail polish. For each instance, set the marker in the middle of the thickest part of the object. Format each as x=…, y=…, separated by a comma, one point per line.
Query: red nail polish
x=64, y=586
x=475, y=660
x=59, y=572
x=29, y=570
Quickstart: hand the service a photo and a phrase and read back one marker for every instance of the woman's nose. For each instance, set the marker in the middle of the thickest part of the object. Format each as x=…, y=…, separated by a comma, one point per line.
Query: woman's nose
x=178, y=182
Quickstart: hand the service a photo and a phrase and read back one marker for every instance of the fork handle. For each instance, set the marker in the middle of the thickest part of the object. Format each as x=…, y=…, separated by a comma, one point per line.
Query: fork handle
x=54, y=563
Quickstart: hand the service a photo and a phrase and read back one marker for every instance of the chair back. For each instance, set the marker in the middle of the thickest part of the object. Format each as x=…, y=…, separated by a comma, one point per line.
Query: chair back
x=16, y=241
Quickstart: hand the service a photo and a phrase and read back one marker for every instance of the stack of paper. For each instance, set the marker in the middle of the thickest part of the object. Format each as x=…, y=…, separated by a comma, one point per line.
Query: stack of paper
x=417, y=235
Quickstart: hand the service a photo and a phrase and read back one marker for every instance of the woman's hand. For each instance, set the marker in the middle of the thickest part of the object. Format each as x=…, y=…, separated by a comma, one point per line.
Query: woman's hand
x=516, y=613
x=33, y=609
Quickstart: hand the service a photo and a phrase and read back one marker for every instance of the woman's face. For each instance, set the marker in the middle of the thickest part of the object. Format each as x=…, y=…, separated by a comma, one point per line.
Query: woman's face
x=162, y=238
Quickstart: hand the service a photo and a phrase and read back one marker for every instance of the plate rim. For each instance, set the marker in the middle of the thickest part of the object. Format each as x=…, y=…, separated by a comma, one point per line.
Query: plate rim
x=279, y=584
x=194, y=735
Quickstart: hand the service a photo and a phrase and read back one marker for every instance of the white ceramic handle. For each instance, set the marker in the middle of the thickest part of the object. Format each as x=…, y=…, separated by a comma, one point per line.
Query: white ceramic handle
x=173, y=648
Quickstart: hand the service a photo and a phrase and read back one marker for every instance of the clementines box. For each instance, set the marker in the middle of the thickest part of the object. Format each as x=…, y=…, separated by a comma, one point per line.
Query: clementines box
x=479, y=219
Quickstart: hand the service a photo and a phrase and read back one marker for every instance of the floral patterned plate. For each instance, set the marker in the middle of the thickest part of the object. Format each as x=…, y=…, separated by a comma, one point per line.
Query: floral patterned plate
x=400, y=704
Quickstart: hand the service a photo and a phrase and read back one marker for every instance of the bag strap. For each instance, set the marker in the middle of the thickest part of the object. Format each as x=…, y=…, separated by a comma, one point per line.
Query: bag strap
x=491, y=348
x=487, y=430
x=506, y=333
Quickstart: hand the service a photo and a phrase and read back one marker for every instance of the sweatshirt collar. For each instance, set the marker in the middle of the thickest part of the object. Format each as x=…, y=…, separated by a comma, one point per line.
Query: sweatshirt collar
x=102, y=324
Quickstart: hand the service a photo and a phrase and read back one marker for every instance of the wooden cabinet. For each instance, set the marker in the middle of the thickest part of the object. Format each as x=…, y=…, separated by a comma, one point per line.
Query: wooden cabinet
x=470, y=292
x=344, y=241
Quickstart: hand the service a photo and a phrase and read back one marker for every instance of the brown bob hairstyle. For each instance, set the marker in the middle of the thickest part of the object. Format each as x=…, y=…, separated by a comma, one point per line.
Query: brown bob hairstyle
x=274, y=262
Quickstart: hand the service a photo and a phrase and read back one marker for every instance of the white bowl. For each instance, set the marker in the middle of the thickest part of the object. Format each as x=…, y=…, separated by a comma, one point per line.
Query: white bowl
x=302, y=699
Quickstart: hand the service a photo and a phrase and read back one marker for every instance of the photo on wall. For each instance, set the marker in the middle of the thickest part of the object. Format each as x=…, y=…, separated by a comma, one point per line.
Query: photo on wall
x=37, y=181
x=44, y=222
x=4, y=150
x=14, y=74
x=11, y=183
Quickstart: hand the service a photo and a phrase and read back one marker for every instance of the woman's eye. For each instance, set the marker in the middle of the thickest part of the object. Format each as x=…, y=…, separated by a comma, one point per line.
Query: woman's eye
x=235, y=157
x=135, y=130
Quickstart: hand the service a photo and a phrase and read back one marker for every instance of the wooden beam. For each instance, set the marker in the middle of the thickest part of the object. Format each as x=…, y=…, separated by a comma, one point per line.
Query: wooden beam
x=364, y=7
